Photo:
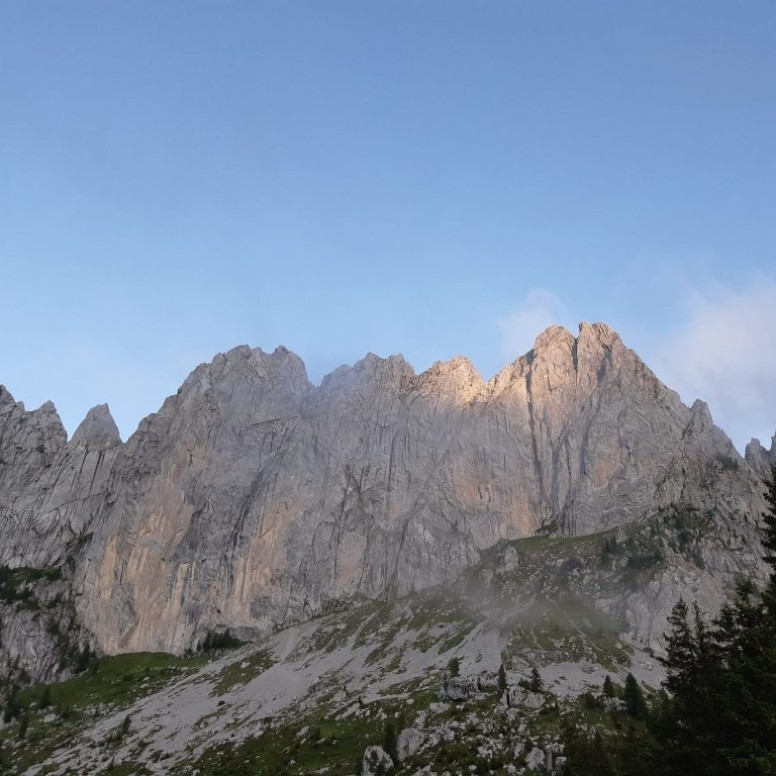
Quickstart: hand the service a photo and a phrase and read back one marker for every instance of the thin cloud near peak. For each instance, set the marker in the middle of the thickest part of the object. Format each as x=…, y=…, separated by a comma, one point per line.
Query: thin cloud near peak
x=724, y=352
x=519, y=328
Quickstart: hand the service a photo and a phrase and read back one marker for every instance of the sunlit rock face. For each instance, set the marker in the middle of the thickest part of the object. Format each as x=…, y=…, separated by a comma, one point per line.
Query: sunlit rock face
x=253, y=498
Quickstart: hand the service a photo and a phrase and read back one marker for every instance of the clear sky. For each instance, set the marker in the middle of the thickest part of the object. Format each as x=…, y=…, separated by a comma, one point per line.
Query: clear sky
x=430, y=177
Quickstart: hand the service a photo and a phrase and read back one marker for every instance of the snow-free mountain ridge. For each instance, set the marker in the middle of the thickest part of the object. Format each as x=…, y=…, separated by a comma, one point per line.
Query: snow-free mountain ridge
x=253, y=499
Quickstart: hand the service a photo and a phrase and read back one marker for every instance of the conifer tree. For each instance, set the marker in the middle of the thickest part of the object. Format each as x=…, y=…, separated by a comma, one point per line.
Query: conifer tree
x=693, y=672
x=719, y=715
x=586, y=755
x=769, y=521
x=635, y=704
x=12, y=706
x=390, y=742
x=721, y=718
x=502, y=679
x=746, y=632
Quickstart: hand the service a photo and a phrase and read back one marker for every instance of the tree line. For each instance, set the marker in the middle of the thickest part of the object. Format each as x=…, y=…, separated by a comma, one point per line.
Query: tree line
x=716, y=713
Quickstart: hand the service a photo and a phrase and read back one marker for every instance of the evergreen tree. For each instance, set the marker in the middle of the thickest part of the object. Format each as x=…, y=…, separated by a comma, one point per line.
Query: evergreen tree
x=635, y=704
x=502, y=679
x=586, y=755
x=693, y=670
x=718, y=716
x=746, y=632
x=769, y=521
x=389, y=741
x=638, y=752
x=536, y=684
x=609, y=687
x=454, y=666
x=721, y=717
x=12, y=706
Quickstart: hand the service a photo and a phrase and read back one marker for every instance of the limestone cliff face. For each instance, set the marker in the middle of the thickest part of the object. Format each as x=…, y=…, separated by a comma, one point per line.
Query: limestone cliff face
x=50, y=490
x=252, y=498
x=50, y=494
x=760, y=459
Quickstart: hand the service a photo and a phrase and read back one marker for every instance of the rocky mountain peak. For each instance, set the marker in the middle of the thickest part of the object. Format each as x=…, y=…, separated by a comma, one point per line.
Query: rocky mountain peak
x=281, y=370
x=372, y=372
x=551, y=340
x=98, y=430
x=560, y=361
x=8, y=404
x=457, y=379
x=393, y=367
x=759, y=458
x=595, y=343
x=37, y=431
x=47, y=416
x=701, y=413
x=599, y=332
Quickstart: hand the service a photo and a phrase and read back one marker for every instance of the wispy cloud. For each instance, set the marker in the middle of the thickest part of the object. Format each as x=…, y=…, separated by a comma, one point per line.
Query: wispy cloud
x=725, y=354
x=538, y=310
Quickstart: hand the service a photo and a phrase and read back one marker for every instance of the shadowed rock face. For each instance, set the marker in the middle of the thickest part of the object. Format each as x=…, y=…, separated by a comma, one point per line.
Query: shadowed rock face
x=253, y=498
x=760, y=459
x=50, y=490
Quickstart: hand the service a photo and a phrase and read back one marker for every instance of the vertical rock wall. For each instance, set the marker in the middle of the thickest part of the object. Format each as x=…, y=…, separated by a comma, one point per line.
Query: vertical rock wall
x=252, y=498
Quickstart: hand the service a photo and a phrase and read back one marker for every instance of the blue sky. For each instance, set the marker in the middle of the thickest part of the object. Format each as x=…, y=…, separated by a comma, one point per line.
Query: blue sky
x=429, y=177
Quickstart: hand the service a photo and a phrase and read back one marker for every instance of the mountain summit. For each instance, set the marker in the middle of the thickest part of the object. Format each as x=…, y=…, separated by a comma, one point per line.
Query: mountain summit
x=253, y=499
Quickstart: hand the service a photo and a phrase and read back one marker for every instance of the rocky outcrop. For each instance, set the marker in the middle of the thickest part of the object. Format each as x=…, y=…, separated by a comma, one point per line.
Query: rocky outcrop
x=409, y=741
x=50, y=493
x=41, y=638
x=760, y=459
x=376, y=761
x=253, y=498
x=50, y=490
x=457, y=688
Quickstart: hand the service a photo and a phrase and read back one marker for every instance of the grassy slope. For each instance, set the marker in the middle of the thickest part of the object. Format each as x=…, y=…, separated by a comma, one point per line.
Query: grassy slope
x=367, y=666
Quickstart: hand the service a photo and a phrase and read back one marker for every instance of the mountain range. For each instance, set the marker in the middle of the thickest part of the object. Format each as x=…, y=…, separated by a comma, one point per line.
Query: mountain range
x=428, y=573
x=253, y=499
